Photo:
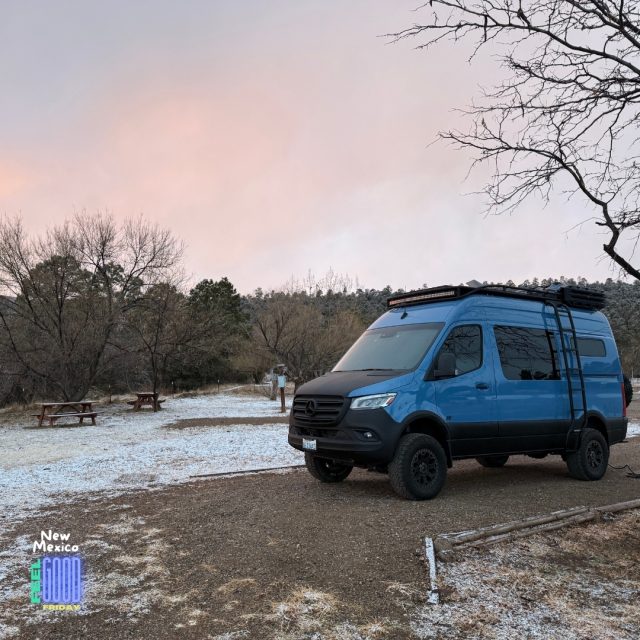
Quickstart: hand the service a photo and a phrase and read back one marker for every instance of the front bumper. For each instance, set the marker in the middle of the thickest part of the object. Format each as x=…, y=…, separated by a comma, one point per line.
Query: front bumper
x=346, y=440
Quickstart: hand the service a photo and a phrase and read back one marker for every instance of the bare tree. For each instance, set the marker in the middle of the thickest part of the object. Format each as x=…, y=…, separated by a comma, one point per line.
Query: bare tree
x=292, y=330
x=65, y=293
x=568, y=112
x=160, y=328
x=330, y=282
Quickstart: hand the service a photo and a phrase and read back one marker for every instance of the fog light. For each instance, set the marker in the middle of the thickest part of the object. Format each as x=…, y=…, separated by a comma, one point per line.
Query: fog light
x=368, y=435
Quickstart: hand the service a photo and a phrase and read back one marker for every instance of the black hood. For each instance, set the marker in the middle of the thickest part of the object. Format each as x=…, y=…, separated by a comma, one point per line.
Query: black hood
x=340, y=383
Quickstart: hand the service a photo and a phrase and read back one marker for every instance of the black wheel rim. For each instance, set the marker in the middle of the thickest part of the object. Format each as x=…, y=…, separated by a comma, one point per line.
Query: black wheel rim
x=595, y=454
x=424, y=467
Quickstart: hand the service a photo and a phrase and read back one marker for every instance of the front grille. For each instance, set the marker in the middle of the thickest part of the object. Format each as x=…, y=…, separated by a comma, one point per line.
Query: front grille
x=320, y=411
x=315, y=432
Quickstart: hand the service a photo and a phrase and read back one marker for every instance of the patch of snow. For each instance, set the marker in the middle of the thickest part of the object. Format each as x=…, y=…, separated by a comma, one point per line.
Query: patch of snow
x=633, y=430
x=127, y=451
x=8, y=631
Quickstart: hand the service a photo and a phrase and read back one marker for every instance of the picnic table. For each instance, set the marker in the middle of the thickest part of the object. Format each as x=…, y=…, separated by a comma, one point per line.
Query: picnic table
x=53, y=411
x=146, y=399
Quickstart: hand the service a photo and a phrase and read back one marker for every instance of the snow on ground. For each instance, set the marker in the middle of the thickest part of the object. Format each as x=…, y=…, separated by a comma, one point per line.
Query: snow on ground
x=128, y=450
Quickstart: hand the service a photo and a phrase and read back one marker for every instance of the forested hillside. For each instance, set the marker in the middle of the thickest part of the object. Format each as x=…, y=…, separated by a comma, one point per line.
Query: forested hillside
x=98, y=308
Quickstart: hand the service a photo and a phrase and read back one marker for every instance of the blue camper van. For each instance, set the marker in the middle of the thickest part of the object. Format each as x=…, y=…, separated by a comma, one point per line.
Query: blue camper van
x=450, y=372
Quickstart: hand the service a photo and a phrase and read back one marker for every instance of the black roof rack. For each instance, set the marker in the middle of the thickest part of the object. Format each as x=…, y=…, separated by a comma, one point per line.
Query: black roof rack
x=576, y=297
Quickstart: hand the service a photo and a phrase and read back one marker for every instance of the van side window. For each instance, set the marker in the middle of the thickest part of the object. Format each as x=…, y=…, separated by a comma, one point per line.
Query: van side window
x=465, y=343
x=526, y=354
x=591, y=347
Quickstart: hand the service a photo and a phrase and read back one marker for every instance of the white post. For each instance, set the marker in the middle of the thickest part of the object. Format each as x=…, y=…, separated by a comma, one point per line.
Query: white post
x=432, y=595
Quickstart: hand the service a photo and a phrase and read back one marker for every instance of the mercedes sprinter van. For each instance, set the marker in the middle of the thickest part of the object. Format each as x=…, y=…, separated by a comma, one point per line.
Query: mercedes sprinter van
x=449, y=373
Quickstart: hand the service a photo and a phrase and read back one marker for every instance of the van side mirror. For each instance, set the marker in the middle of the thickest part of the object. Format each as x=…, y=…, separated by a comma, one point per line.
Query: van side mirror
x=446, y=366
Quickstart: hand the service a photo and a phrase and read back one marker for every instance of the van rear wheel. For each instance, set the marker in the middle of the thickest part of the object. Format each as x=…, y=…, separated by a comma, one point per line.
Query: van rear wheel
x=590, y=461
x=493, y=462
x=327, y=470
x=419, y=469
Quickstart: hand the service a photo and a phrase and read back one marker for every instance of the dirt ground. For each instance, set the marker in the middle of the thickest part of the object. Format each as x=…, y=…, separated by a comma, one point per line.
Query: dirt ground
x=192, y=423
x=278, y=555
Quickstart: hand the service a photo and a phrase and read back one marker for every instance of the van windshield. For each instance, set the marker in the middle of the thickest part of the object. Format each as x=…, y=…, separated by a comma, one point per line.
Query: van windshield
x=390, y=348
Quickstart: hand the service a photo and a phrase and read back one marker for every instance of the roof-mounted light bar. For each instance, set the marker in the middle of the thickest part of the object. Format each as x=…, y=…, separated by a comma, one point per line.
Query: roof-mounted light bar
x=421, y=296
x=577, y=297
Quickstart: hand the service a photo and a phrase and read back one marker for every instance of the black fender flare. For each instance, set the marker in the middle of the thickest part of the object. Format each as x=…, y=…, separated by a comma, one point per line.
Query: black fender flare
x=442, y=430
x=600, y=421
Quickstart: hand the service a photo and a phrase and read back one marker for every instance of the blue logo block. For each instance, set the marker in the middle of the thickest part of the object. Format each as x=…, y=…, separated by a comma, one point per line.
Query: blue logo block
x=61, y=579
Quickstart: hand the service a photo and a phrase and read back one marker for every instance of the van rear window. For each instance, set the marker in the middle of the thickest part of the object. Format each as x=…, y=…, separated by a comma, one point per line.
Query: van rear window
x=526, y=354
x=591, y=348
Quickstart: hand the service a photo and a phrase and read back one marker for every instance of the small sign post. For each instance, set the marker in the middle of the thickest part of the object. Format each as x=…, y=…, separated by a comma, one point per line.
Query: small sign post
x=282, y=383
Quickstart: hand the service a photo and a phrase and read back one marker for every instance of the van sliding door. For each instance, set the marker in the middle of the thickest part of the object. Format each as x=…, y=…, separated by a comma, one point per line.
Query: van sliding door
x=531, y=396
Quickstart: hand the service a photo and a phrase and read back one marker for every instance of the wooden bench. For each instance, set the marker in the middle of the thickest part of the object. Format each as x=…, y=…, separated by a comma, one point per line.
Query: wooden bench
x=53, y=417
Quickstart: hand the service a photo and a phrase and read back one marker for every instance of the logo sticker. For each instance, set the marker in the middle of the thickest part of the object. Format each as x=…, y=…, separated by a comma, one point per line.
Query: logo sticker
x=56, y=580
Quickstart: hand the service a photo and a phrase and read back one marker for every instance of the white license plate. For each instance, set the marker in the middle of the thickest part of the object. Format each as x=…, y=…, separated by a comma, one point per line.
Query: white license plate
x=309, y=445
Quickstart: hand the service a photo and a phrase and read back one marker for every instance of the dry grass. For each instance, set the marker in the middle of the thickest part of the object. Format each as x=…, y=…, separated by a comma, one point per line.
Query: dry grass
x=580, y=582
x=406, y=596
x=308, y=613
x=236, y=585
x=100, y=398
x=236, y=389
x=302, y=605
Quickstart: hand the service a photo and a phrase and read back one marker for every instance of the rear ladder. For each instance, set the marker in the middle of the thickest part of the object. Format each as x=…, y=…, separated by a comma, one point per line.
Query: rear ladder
x=573, y=371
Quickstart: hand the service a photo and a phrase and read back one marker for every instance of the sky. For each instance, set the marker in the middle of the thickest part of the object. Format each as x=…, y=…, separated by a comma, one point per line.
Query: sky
x=273, y=137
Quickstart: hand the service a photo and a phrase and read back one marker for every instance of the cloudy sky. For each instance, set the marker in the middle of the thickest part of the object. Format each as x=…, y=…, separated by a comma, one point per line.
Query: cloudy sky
x=272, y=136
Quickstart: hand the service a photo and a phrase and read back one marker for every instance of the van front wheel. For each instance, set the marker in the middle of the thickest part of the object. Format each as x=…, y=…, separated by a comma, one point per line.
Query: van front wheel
x=590, y=461
x=419, y=469
x=326, y=470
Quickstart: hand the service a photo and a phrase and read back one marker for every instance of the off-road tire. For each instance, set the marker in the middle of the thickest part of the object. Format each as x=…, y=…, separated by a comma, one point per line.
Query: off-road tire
x=419, y=469
x=590, y=461
x=326, y=470
x=493, y=462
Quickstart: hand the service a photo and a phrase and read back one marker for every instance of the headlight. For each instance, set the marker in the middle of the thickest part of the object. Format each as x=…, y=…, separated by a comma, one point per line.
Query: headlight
x=373, y=402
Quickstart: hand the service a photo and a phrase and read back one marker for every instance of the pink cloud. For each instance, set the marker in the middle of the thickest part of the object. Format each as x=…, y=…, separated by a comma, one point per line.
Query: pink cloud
x=284, y=147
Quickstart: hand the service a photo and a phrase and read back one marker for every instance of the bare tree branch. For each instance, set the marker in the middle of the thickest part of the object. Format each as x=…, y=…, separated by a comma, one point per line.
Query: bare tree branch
x=569, y=109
